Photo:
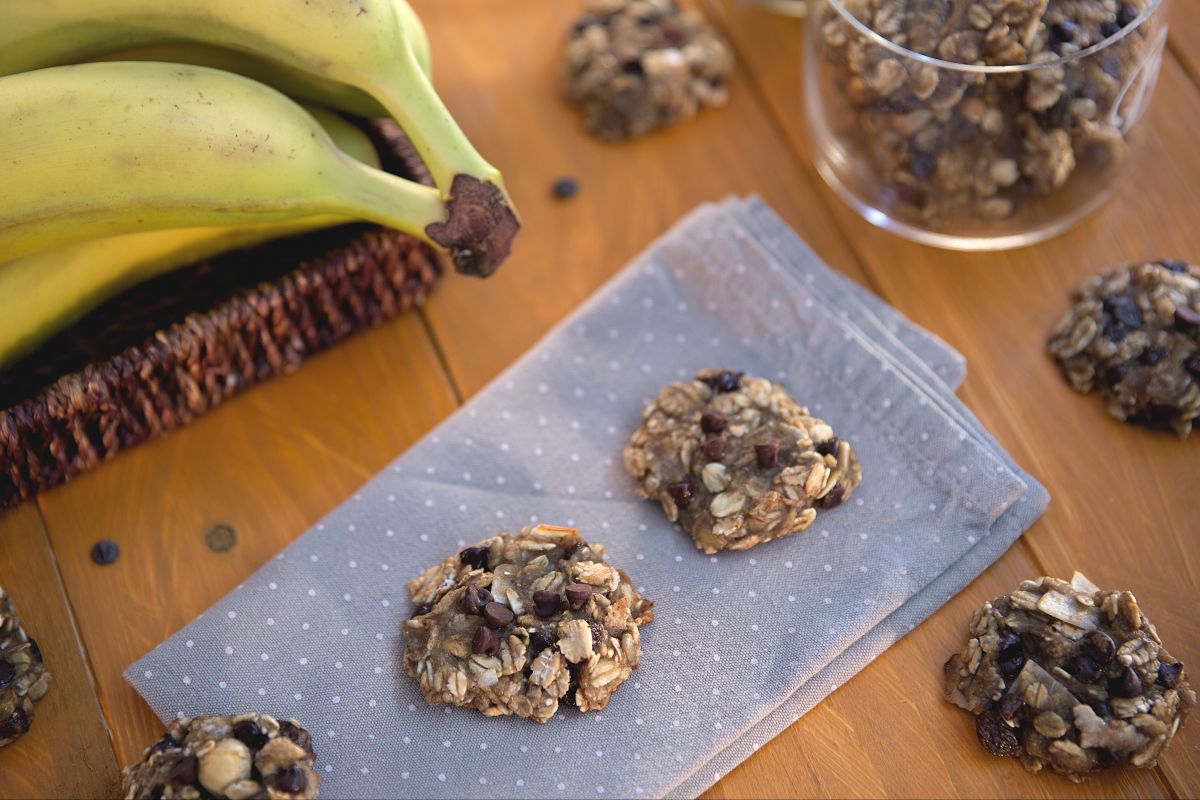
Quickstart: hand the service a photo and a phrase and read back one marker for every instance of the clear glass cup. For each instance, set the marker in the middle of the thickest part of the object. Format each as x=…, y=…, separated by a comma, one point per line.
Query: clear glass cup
x=971, y=156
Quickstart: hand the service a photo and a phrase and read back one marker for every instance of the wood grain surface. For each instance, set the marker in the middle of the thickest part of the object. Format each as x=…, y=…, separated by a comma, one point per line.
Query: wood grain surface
x=273, y=461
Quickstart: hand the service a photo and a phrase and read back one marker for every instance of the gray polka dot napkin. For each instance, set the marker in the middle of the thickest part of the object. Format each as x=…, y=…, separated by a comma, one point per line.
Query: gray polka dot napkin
x=742, y=643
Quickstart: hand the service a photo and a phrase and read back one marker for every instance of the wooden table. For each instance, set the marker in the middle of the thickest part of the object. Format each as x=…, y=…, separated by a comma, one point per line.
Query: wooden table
x=272, y=462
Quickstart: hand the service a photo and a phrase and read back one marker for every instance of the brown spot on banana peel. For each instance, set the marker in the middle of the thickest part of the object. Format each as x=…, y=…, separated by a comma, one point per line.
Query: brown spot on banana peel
x=479, y=226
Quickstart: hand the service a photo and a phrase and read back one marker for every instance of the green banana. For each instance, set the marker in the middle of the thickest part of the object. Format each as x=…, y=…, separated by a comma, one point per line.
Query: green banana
x=99, y=149
x=367, y=44
x=43, y=293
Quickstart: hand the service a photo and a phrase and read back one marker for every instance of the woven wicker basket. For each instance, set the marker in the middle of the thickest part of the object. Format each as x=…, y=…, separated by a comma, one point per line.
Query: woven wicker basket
x=169, y=350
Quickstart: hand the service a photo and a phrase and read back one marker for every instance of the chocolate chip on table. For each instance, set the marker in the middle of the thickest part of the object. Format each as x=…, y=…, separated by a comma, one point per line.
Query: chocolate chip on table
x=1168, y=674
x=184, y=773
x=714, y=449
x=767, y=455
x=1099, y=647
x=725, y=380
x=546, y=603
x=1186, y=318
x=713, y=422
x=220, y=538
x=996, y=737
x=7, y=673
x=486, y=642
x=290, y=779
x=496, y=615
x=248, y=733
x=105, y=551
x=564, y=188
x=828, y=447
x=578, y=594
x=298, y=736
x=474, y=557
x=539, y=641
x=682, y=492
x=475, y=598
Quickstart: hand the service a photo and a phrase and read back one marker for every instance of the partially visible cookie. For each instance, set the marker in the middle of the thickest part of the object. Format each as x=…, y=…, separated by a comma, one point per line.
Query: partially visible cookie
x=235, y=757
x=737, y=461
x=23, y=677
x=1133, y=334
x=1069, y=676
x=636, y=65
x=518, y=624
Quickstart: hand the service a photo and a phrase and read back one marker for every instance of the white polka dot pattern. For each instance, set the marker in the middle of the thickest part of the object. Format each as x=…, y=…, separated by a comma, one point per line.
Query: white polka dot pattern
x=742, y=644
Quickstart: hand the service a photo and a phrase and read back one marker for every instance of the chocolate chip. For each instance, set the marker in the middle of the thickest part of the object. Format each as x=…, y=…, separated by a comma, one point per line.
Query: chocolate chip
x=496, y=615
x=564, y=188
x=1099, y=647
x=1006, y=640
x=1011, y=705
x=1064, y=31
x=1126, y=15
x=1113, y=331
x=725, y=380
x=7, y=673
x=486, y=642
x=1101, y=708
x=1152, y=355
x=714, y=449
x=184, y=773
x=475, y=557
x=834, y=499
x=996, y=737
x=1192, y=364
x=1115, y=374
x=546, y=603
x=1174, y=265
x=570, y=552
x=767, y=455
x=1168, y=674
x=298, y=736
x=422, y=610
x=1106, y=757
x=248, y=733
x=633, y=67
x=291, y=779
x=828, y=447
x=923, y=165
x=220, y=538
x=682, y=492
x=539, y=641
x=34, y=650
x=578, y=594
x=568, y=699
x=1127, y=684
x=1108, y=28
x=1125, y=310
x=1084, y=669
x=1011, y=662
x=105, y=551
x=474, y=599
x=1186, y=318
x=16, y=724
x=713, y=422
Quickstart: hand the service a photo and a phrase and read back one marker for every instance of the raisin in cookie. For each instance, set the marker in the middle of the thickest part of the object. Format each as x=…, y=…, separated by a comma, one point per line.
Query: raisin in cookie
x=236, y=757
x=1134, y=335
x=736, y=461
x=1069, y=676
x=636, y=65
x=23, y=678
x=519, y=623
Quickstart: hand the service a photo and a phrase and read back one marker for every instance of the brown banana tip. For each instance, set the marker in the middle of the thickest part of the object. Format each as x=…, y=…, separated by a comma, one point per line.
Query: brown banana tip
x=479, y=226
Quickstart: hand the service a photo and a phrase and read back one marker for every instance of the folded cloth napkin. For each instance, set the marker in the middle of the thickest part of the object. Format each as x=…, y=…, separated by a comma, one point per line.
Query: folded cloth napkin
x=742, y=643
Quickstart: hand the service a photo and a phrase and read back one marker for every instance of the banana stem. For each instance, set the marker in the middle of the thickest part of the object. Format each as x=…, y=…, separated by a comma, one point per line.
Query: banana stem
x=386, y=199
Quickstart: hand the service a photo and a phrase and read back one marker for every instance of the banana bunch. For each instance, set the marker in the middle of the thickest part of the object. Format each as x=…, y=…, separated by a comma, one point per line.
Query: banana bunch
x=182, y=142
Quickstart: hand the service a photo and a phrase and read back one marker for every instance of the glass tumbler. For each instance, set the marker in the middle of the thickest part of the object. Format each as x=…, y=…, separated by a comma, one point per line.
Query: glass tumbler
x=981, y=145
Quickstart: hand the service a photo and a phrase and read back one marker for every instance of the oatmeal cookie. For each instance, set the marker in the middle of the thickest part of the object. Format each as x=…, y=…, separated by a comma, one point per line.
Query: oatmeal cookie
x=23, y=678
x=235, y=757
x=1069, y=676
x=519, y=623
x=736, y=461
x=955, y=145
x=1134, y=335
x=636, y=65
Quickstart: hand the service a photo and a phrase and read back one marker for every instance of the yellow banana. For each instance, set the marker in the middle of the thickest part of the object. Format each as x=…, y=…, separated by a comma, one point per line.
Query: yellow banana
x=99, y=149
x=366, y=44
x=43, y=293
